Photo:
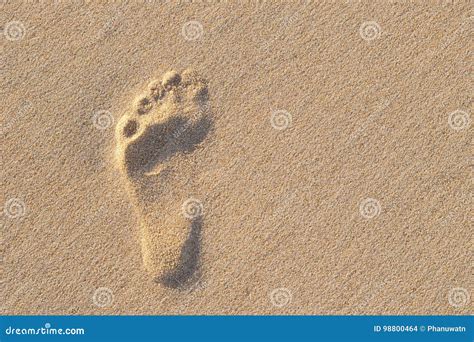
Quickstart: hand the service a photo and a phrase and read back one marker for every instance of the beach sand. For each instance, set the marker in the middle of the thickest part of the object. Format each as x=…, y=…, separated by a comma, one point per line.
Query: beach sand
x=318, y=161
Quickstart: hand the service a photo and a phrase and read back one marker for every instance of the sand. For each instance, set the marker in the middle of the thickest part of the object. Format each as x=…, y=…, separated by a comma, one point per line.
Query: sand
x=319, y=161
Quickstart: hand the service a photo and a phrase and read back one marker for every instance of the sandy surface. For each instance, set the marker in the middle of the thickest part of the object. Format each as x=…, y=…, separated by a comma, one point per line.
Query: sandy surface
x=336, y=178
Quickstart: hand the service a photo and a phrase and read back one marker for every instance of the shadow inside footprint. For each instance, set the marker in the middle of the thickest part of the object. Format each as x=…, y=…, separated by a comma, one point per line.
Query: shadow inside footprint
x=164, y=140
x=188, y=260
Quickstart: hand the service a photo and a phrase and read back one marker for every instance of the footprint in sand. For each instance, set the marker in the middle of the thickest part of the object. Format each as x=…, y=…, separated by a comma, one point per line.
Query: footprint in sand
x=154, y=141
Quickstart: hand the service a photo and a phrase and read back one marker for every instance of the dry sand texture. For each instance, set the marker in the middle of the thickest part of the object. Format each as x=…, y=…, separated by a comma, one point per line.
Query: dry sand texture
x=236, y=158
